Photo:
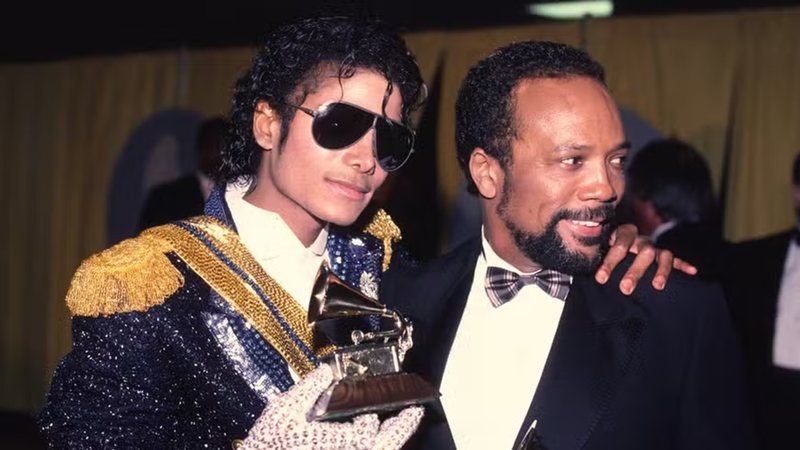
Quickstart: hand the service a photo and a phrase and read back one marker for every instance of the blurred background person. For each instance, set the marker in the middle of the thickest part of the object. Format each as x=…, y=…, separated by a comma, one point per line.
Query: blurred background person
x=670, y=199
x=763, y=290
x=185, y=196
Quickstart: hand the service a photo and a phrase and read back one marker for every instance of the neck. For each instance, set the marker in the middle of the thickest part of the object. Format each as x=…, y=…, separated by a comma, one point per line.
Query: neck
x=498, y=236
x=304, y=226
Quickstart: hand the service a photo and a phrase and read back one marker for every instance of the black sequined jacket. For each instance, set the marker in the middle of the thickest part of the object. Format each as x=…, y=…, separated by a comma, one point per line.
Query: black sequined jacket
x=179, y=336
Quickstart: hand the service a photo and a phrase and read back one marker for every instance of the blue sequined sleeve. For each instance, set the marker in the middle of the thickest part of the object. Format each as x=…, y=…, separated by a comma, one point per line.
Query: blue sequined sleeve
x=108, y=392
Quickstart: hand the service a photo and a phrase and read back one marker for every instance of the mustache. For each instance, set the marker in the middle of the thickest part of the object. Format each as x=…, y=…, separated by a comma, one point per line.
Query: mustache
x=603, y=213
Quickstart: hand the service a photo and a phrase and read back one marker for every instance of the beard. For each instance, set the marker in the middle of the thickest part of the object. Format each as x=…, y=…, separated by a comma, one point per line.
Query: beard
x=548, y=248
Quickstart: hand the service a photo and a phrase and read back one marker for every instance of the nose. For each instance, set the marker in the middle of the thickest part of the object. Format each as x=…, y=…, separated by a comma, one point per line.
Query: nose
x=602, y=184
x=360, y=155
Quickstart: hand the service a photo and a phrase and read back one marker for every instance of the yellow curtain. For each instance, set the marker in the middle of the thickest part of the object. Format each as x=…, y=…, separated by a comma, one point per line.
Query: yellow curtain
x=727, y=83
x=62, y=124
x=210, y=76
x=676, y=72
x=766, y=124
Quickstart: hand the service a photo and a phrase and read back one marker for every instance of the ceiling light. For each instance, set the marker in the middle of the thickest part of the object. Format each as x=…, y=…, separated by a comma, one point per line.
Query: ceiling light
x=572, y=10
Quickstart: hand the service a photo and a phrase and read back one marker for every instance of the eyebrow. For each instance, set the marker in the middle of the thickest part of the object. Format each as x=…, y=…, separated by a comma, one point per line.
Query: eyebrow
x=624, y=145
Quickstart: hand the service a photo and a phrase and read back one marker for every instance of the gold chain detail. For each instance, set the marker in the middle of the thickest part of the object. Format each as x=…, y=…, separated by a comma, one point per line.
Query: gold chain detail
x=239, y=294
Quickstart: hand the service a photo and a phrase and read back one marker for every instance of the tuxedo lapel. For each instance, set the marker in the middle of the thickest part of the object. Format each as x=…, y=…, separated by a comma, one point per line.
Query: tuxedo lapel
x=591, y=354
x=436, y=311
x=439, y=323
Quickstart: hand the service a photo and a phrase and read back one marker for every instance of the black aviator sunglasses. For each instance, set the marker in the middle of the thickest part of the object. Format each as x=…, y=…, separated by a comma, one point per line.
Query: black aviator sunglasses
x=339, y=125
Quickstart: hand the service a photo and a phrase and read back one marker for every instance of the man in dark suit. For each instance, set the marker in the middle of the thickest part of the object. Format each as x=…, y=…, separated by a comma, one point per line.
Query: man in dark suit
x=186, y=196
x=526, y=348
x=671, y=200
x=763, y=288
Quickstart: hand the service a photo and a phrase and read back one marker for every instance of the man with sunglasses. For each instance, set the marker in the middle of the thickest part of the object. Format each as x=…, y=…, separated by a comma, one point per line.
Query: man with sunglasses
x=194, y=334
x=527, y=349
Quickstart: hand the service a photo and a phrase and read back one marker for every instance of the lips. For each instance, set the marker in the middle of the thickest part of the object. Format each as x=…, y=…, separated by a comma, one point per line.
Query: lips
x=351, y=190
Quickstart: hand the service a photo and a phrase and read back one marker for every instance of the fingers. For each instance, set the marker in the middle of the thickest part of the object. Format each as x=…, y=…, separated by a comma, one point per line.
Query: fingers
x=684, y=266
x=664, y=259
x=622, y=240
x=306, y=392
x=641, y=242
x=666, y=262
x=646, y=255
x=365, y=428
x=624, y=234
x=369, y=423
x=395, y=431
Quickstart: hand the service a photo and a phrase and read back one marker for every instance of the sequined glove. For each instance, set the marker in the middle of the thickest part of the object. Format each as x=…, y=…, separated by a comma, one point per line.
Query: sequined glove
x=283, y=423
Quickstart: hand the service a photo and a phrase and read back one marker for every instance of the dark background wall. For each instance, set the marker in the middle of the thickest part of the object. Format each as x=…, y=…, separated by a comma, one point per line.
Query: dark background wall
x=31, y=31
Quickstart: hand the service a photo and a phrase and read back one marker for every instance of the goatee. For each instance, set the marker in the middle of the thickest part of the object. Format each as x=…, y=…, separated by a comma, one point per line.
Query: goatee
x=548, y=249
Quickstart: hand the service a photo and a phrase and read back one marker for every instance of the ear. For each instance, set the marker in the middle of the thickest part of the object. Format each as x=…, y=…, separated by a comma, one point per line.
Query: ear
x=486, y=173
x=266, y=126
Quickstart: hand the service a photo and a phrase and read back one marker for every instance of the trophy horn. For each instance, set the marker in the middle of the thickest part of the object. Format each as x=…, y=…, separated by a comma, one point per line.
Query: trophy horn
x=332, y=298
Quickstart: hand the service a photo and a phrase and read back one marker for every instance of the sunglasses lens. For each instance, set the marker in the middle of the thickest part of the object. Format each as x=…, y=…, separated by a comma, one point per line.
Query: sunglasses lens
x=340, y=125
x=394, y=144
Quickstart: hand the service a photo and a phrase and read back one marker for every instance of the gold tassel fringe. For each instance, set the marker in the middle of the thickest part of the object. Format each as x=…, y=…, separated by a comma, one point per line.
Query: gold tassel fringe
x=133, y=275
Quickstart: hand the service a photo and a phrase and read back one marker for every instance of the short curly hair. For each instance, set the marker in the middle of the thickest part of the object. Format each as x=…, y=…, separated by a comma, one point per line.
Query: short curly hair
x=289, y=66
x=485, y=104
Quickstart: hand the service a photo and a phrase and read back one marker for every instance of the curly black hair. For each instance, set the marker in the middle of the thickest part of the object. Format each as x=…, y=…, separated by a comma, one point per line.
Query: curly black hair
x=289, y=66
x=485, y=104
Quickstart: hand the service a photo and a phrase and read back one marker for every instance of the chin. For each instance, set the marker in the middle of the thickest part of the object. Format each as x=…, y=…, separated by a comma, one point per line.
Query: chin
x=341, y=218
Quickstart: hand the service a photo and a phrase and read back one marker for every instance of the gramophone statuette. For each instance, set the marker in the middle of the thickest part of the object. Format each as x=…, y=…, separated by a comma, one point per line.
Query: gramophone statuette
x=367, y=373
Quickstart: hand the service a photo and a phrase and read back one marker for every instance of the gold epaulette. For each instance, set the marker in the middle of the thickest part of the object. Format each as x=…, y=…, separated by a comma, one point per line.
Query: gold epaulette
x=133, y=275
x=383, y=228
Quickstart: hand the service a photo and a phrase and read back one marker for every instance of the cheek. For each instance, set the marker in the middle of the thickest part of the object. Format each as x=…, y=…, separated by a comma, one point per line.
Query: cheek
x=534, y=202
x=379, y=177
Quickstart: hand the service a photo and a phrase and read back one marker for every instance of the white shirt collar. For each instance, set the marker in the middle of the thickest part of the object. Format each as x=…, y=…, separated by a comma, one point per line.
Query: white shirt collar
x=264, y=232
x=663, y=228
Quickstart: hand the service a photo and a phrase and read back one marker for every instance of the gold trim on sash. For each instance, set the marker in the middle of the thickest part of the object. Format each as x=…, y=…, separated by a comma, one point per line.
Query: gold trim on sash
x=238, y=293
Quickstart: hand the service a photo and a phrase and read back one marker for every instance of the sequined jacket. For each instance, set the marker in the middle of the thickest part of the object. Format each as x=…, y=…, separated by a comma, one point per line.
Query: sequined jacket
x=179, y=336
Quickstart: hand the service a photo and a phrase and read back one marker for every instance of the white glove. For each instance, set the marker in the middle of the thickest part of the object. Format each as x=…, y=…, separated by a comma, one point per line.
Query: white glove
x=283, y=423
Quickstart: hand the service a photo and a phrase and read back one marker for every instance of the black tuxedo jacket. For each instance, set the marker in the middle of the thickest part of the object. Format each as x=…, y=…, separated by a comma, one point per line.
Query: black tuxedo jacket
x=752, y=285
x=699, y=243
x=649, y=371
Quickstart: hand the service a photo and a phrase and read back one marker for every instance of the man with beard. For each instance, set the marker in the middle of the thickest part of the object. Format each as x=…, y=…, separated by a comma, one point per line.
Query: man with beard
x=569, y=363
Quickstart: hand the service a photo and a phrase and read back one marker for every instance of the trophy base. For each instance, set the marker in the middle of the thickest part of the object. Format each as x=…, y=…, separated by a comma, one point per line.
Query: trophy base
x=351, y=396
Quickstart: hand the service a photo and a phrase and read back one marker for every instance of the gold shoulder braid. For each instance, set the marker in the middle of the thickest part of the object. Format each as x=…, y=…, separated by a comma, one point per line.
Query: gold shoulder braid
x=133, y=275
x=238, y=281
x=382, y=227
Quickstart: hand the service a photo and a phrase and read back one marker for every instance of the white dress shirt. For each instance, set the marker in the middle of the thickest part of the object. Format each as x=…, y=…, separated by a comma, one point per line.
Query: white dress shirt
x=276, y=248
x=496, y=360
x=786, y=343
